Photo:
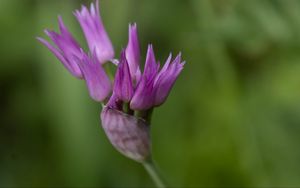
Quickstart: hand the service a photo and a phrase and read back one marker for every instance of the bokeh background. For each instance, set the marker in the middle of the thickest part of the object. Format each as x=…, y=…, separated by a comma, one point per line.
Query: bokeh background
x=232, y=118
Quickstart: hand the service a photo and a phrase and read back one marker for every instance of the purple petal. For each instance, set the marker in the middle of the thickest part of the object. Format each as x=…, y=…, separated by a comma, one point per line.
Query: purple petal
x=58, y=54
x=166, y=78
x=128, y=134
x=67, y=50
x=95, y=34
x=143, y=98
x=114, y=102
x=151, y=67
x=166, y=65
x=133, y=52
x=123, y=84
x=68, y=38
x=144, y=94
x=97, y=81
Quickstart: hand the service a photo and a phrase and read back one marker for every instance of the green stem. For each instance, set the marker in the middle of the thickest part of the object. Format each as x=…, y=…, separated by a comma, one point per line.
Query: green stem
x=126, y=108
x=153, y=172
x=108, y=71
x=144, y=114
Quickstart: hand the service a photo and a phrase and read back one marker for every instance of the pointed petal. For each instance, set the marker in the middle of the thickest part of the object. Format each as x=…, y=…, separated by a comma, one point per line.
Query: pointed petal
x=166, y=65
x=56, y=52
x=151, y=67
x=67, y=36
x=68, y=46
x=144, y=94
x=133, y=51
x=71, y=67
x=67, y=50
x=166, y=79
x=143, y=98
x=97, y=81
x=94, y=31
x=123, y=84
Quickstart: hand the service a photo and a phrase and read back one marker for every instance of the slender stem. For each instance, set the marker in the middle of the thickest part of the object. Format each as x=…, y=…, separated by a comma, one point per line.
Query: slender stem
x=153, y=172
x=144, y=114
x=126, y=108
x=108, y=71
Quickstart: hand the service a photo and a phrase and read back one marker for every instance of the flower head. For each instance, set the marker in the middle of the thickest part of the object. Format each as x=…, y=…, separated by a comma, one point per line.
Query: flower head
x=154, y=85
x=67, y=50
x=94, y=32
x=126, y=116
x=128, y=128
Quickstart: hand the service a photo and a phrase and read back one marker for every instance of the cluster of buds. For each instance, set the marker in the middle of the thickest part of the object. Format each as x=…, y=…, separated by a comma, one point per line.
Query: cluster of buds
x=129, y=99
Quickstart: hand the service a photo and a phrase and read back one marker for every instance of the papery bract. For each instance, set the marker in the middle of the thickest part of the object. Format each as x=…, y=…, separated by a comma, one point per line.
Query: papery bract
x=128, y=134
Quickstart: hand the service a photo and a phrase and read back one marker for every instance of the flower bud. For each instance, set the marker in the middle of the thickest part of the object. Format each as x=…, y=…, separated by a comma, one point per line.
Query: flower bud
x=128, y=134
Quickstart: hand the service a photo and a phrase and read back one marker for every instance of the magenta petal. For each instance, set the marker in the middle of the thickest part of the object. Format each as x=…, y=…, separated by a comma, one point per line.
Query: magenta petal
x=143, y=97
x=144, y=94
x=128, y=134
x=58, y=54
x=114, y=102
x=94, y=31
x=151, y=67
x=133, y=52
x=97, y=81
x=166, y=78
x=67, y=50
x=123, y=84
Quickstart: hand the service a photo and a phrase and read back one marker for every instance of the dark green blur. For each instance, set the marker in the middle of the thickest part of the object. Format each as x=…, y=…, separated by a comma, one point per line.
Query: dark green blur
x=232, y=118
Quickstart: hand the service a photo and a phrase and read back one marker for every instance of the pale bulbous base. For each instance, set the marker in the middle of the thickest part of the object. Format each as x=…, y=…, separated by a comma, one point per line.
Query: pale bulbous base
x=128, y=134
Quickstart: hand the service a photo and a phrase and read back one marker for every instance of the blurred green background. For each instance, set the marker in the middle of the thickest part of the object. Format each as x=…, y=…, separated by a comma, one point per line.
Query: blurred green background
x=232, y=118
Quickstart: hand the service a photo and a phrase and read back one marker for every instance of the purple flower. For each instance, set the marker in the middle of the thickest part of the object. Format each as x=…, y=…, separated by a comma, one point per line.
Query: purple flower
x=165, y=79
x=95, y=33
x=153, y=86
x=67, y=50
x=128, y=129
x=126, y=116
x=97, y=81
x=133, y=52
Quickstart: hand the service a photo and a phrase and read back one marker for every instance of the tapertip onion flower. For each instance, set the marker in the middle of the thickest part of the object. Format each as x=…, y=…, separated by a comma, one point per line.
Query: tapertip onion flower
x=128, y=100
